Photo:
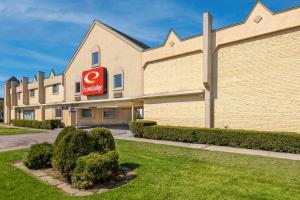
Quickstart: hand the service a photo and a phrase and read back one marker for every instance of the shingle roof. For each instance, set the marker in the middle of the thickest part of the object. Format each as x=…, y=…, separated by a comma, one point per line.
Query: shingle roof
x=135, y=41
x=13, y=78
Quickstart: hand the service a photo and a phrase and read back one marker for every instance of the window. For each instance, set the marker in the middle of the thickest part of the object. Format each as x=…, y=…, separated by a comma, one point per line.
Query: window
x=140, y=113
x=77, y=87
x=95, y=58
x=32, y=93
x=108, y=113
x=87, y=113
x=55, y=89
x=58, y=113
x=19, y=95
x=28, y=114
x=118, y=82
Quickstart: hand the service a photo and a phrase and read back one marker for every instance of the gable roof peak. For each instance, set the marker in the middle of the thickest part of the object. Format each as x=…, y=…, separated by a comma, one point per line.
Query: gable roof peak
x=127, y=37
x=13, y=78
x=172, y=35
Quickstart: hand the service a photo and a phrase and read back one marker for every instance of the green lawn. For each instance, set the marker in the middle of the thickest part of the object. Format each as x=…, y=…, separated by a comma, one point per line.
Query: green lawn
x=16, y=131
x=166, y=172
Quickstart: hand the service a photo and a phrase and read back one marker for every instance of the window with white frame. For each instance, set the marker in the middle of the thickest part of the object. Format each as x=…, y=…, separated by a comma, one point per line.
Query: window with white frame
x=32, y=93
x=95, y=58
x=77, y=87
x=28, y=114
x=140, y=113
x=108, y=113
x=118, y=81
x=55, y=89
x=58, y=112
x=87, y=113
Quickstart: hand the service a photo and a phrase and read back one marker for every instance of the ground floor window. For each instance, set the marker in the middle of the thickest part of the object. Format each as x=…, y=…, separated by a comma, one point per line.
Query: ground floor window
x=86, y=113
x=28, y=114
x=58, y=113
x=140, y=113
x=108, y=113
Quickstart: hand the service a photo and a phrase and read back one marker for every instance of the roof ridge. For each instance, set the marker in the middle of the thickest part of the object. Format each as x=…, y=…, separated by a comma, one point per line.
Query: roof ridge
x=134, y=40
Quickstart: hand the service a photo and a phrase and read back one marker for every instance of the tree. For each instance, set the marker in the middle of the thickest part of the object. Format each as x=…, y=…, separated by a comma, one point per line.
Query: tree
x=1, y=105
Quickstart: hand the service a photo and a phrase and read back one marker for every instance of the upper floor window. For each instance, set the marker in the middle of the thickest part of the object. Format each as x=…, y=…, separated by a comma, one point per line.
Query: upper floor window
x=77, y=87
x=32, y=93
x=118, y=81
x=19, y=95
x=95, y=58
x=55, y=89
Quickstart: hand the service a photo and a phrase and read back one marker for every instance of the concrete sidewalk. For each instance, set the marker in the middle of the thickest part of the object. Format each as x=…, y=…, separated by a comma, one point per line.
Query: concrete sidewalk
x=22, y=141
x=289, y=156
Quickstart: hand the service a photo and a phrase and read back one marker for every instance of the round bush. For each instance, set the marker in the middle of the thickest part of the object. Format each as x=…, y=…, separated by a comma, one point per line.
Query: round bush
x=62, y=133
x=93, y=168
x=104, y=140
x=39, y=156
x=73, y=145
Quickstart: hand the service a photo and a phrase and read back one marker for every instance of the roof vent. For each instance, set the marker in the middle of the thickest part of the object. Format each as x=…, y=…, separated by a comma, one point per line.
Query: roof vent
x=171, y=43
x=257, y=19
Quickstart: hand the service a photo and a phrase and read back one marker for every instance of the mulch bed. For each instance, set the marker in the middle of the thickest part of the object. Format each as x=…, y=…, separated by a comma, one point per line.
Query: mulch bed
x=52, y=177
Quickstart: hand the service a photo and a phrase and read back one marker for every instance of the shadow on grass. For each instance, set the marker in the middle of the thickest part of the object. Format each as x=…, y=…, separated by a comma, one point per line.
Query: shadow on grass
x=128, y=175
x=131, y=166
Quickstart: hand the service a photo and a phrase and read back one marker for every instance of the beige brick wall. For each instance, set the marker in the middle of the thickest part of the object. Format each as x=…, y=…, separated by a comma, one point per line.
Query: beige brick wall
x=258, y=85
x=38, y=114
x=181, y=73
x=180, y=110
x=68, y=118
x=53, y=98
x=116, y=55
x=34, y=100
x=121, y=116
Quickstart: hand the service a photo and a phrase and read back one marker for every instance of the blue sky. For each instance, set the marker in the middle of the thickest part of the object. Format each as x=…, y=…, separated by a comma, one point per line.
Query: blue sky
x=40, y=35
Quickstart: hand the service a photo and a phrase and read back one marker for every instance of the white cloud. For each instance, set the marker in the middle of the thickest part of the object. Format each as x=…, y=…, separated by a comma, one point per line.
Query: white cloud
x=142, y=19
x=27, y=53
x=32, y=10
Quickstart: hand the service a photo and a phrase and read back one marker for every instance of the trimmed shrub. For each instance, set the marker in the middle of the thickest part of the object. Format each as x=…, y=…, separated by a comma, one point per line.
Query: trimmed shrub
x=39, y=156
x=172, y=133
x=263, y=140
x=62, y=133
x=137, y=127
x=51, y=124
x=104, y=140
x=47, y=124
x=93, y=168
x=73, y=145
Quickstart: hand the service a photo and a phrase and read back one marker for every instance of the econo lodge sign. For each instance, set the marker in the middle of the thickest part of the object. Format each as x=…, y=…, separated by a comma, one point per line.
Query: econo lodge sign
x=94, y=81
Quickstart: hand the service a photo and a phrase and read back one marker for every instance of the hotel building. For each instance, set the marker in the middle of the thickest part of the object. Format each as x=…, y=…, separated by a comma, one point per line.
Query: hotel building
x=244, y=76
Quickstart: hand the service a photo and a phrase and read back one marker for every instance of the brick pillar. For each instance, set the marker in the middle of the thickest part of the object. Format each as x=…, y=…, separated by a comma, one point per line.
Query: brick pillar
x=25, y=91
x=41, y=87
x=41, y=93
x=7, y=103
x=207, y=70
x=14, y=98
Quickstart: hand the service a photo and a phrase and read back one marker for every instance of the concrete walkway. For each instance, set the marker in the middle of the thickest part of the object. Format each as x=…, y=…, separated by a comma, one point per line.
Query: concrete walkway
x=289, y=156
x=22, y=141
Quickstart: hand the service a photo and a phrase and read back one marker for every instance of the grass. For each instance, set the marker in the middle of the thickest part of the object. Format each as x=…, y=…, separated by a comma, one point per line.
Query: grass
x=16, y=131
x=166, y=172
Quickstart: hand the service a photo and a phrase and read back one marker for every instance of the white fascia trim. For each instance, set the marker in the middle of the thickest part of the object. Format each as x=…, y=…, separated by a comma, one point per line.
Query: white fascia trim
x=170, y=94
